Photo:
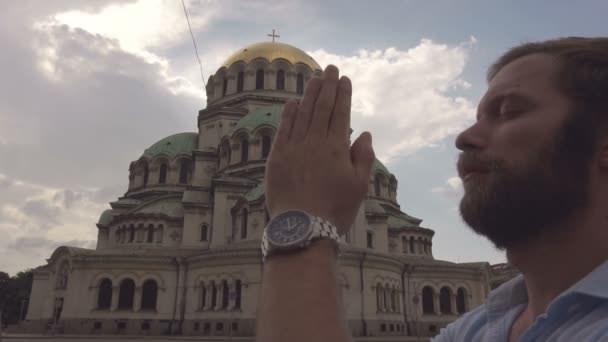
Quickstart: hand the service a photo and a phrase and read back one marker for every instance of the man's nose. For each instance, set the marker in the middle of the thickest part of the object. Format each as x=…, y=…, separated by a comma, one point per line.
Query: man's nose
x=472, y=138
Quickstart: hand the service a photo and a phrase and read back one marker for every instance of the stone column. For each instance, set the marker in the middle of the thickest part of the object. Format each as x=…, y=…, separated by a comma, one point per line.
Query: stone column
x=220, y=296
x=436, y=303
x=453, y=303
x=208, y=295
x=93, y=295
x=115, y=290
x=137, y=299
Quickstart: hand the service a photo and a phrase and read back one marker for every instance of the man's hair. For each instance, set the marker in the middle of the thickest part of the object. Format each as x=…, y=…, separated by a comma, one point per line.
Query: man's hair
x=583, y=77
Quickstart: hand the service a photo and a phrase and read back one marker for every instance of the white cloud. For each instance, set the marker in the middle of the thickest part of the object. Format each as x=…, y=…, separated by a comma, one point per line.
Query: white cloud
x=35, y=219
x=404, y=97
x=451, y=189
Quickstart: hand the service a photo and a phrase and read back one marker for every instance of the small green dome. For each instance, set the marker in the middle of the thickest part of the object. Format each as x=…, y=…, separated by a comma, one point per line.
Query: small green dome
x=267, y=115
x=106, y=217
x=378, y=166
x=173, y=145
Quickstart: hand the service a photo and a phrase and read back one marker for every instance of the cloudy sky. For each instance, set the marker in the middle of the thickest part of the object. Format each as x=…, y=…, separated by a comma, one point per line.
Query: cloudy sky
x=87, y=85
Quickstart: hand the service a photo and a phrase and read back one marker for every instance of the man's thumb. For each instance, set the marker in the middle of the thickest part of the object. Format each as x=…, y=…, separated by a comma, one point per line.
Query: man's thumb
x=362, y=155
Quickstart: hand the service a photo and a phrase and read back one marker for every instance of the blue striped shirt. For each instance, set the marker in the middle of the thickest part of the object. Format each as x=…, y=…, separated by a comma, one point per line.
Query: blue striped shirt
x=579, y=314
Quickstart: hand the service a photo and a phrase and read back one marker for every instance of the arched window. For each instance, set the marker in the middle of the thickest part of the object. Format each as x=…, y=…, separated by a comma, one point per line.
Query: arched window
x=213, y=295
x=224, y=294
x=259, y=79
x=237, y=302
x=244, y=215
x=159, y=236
x=281, y=80
x=224, y=87
x=240, y=82
x=184, y=171
x=426, y=247
x=300, y=84
x=203, y=295
x=149, y=294
x=428, y=300
x=146, y=174
x=445, y=300
x=266, y=144
x=377, y=187
x=131, y=233
x=379, y=300
x=150, y=237
x=162, y=175
x=370, y=240
x=204, y=232
x=412, y=245
x=393, y=300
x=461, y=301
x=126, y=294
x=404, y=244
x=104, y=297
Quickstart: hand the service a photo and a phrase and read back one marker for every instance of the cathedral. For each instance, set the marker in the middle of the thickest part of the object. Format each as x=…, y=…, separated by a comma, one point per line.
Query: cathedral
x=179, y=252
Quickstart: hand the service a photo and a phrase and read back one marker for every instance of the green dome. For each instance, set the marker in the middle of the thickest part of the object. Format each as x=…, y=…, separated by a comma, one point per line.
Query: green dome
x=173, y=145
x=267, y=115
x=378, y=166
x=106, y=217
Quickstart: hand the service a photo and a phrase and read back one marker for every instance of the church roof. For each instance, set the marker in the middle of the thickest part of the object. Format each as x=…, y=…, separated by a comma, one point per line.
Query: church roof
x=106, y=217
x=256, y=193
x=267, y=115
x=173, y=145
x=378, y=166
x=171, y=207
x=271, y=51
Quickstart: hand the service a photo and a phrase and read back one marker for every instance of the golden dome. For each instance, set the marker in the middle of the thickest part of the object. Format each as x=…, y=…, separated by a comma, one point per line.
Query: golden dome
x=271, y=51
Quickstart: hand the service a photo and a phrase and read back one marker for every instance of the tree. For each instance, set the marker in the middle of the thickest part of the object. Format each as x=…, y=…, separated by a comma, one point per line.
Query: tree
x=14, y=295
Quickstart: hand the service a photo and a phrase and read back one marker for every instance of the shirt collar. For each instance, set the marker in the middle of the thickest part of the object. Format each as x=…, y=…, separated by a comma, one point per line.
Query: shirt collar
x=514, y=292
x=593, y=284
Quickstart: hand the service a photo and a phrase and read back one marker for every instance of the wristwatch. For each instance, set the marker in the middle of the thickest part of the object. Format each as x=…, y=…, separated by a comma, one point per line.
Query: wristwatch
x=295, y=230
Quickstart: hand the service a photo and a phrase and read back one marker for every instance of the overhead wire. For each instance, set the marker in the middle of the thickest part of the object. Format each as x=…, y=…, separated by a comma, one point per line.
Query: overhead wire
x=200, y=64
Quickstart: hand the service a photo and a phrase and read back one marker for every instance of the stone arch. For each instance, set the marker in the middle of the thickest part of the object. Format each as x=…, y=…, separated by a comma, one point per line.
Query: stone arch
x=149, y=294
x=104, y=294
x=153, y=276
x=461, y=300
x=126, y=294
x=240, y=219
x=265, y=134
x=225, y=152
x=184, y=165
x=445, y=300
x=428, y=300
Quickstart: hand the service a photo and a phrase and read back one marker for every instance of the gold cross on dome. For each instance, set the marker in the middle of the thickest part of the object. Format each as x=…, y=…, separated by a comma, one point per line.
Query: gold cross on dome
x=273, y=35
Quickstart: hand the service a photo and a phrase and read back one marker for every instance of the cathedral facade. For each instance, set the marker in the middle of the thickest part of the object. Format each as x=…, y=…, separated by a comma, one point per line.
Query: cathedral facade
x=179, y=253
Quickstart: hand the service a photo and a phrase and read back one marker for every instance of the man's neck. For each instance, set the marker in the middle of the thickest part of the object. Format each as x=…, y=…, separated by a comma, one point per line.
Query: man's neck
x=555, y=262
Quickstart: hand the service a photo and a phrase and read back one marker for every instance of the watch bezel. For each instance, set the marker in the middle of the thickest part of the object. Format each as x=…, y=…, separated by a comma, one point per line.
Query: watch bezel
x=296, y=243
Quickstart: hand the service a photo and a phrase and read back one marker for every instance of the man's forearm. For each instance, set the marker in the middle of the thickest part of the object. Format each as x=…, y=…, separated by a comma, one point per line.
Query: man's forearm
x=299, y=299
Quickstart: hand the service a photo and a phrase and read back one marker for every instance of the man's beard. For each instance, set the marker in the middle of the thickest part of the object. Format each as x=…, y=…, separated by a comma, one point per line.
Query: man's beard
x=513, y=205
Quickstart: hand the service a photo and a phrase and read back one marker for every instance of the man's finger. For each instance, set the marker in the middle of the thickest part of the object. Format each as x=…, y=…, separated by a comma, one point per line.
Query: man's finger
x=304, y=113
x=339, y=126
x=286, y=124
x=325, y=102
x=362, y=156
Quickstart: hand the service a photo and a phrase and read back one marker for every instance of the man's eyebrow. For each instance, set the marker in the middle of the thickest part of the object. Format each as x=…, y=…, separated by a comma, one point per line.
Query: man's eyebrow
x=512, y=95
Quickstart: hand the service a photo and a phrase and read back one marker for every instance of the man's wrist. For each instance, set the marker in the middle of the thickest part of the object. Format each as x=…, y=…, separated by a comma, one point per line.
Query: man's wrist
x=319, y=251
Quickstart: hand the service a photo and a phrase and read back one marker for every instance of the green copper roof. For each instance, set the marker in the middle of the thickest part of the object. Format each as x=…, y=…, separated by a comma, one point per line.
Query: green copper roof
x=378, y=166
x=171, y=207
x=256, y=192
x=400, y=222
x=267, y=115
x=173, y=145
x=106, y=217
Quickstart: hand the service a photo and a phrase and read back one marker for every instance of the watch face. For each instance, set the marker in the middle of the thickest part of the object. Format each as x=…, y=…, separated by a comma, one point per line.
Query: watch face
x=289, y=228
